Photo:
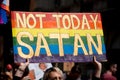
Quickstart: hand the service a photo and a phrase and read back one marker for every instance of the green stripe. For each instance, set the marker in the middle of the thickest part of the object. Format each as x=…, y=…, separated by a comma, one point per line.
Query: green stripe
x=55, y=41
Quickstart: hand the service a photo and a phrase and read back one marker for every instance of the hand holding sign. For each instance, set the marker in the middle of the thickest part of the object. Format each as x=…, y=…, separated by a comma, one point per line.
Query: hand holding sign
x=98, y=66
x=21, y=69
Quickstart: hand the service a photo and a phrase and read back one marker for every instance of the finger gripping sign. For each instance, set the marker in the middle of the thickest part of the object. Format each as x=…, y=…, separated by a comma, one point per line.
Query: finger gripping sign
x=57, y=37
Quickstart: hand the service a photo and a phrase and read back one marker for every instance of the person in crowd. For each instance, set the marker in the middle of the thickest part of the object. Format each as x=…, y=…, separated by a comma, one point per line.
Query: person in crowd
x=37, y=69
x=110, y=72
x=53, y=73
x=9, y=72
x=76, y=73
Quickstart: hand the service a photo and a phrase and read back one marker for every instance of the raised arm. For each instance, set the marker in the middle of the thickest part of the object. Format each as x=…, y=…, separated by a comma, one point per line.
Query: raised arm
x=98, y=67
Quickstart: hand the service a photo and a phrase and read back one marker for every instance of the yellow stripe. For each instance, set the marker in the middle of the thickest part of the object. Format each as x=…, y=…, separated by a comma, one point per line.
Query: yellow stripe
x=46, y=32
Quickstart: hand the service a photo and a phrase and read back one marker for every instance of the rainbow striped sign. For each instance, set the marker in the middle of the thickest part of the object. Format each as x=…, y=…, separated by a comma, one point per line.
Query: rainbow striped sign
x=57, y=37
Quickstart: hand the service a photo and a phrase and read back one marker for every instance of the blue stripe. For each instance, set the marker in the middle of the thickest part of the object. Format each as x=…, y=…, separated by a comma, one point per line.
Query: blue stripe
x=68, y=49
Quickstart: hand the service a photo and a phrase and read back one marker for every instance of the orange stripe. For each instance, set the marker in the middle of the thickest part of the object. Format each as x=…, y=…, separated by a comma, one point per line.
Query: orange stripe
x=50, y=22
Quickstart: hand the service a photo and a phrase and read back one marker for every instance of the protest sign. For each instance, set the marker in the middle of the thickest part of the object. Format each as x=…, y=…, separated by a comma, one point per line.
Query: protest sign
x=57, y=37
